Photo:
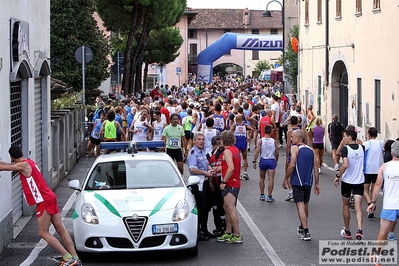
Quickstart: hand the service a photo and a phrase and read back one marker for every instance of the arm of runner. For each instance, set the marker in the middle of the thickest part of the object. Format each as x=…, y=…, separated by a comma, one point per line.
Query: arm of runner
x=291, y=166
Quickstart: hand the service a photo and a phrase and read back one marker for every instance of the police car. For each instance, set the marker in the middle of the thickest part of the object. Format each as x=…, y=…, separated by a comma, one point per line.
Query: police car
x=135, y=201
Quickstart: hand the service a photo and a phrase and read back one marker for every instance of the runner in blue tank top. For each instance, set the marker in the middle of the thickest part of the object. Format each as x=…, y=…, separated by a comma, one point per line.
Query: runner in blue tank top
x=302, y=169
x=240, y=132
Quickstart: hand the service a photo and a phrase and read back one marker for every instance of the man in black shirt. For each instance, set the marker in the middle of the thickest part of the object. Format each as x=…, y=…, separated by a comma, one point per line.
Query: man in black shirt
x=335, y=133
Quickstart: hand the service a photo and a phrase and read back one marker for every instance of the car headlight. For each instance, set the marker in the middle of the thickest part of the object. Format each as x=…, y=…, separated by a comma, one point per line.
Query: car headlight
x=89, y=214
x=181, y=211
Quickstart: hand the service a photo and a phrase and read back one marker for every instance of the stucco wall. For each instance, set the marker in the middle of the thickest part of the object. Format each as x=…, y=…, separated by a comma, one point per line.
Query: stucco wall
x=366, y=43
x=37, y=14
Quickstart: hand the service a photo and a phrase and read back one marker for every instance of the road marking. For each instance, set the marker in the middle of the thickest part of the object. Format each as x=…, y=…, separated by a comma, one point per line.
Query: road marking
x=42, y=244
x=270, y=252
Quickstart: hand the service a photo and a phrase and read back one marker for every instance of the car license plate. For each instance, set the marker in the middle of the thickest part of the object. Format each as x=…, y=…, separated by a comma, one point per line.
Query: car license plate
x=164, y=228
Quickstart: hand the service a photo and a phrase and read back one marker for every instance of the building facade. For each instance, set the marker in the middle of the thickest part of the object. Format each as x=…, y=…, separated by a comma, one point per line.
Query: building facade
x=25, y=85
x=210, y=24
x=348, y=63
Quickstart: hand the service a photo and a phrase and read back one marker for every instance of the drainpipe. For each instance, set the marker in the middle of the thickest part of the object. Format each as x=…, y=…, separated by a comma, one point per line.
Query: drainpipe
x=327, y=66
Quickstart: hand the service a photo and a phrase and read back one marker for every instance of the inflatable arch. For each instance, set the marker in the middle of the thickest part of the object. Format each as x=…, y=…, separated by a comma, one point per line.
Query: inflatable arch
x=230, y=41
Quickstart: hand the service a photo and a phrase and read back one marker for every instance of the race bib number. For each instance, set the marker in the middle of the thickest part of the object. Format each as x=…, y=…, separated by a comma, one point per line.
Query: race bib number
x=174, y=142
x=157, y=132
x=95, y=135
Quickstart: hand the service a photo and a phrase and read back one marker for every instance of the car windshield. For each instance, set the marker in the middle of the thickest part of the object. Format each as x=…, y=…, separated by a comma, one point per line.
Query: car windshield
x=133, y=174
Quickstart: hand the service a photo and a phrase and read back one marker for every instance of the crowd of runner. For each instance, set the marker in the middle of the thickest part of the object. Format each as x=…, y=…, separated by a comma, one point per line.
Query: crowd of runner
x=191, y=120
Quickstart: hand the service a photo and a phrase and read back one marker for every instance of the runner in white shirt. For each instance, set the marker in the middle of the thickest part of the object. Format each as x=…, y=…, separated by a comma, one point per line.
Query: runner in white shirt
x=158, y=125
x=209, y=133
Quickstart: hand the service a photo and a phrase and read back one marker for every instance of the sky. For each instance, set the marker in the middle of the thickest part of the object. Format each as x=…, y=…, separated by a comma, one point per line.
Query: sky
x=233, y=4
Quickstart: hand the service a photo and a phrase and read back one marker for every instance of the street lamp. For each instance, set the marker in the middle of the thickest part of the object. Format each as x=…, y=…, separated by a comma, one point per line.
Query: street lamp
x=268, y=15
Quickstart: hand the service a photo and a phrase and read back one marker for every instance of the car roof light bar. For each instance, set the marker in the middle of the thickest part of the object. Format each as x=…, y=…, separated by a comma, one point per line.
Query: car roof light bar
x=132, y=146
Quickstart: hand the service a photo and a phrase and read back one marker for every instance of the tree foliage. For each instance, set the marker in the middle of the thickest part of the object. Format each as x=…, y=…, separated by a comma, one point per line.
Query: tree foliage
x=162, y=48
x=137, y=19
x=261, y=65
x=73, y=26
x=291, y=59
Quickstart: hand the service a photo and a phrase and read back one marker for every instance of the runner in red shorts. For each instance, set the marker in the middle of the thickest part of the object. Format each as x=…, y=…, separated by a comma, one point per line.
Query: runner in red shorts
x=37, y=192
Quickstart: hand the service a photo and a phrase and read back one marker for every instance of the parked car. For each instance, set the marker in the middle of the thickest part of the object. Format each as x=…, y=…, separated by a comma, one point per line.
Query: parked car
x=132, y=202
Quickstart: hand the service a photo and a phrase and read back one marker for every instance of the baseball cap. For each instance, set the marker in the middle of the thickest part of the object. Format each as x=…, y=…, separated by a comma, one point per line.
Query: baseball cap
x=191, y=104
x=197, y=105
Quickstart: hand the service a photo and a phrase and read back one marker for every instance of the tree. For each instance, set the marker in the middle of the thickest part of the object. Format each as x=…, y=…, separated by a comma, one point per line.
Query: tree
x=73, y=25
x=137, y=18
x=162, y=48
x=261, y=65
x=291, y=60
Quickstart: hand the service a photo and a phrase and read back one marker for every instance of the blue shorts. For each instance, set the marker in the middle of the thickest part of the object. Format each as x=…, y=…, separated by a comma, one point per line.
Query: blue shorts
x=241, y=145
x=390, y=215
x=267, y=164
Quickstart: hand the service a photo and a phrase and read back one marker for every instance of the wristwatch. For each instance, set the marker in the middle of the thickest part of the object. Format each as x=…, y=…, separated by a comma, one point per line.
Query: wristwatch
x=372, y=202
x=223, y=182
x=337, y=176
x=253, y=161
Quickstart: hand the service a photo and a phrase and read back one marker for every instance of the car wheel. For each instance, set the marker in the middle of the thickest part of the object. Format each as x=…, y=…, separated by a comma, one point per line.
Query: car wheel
x=192, y=252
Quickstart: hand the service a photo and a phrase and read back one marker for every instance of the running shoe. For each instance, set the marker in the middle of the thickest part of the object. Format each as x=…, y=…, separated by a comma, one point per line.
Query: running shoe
x=370, y=215
x=359, y=235
x=352, y=202
x=346, y=233
x=242, y=163
x=336, y=167
x=306, y=237
x=289, y=197
x=262, y=197
x=270, y=199
x=391, y=236
x=71, y=262
x=300, y=233
x=245, y=176
x=280, y=145
x=249, y=149
x=319, y=170
x=234, y=240
x=224, y=237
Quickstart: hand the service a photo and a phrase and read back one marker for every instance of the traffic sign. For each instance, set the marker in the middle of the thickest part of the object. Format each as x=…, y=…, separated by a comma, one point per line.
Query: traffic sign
x=118, y=57
x=88, y=53
x=118, y=68
x=114, y=69
x=178, y=70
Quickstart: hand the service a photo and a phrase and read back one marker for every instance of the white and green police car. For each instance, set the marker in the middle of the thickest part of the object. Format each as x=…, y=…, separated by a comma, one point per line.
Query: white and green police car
x=133, y=201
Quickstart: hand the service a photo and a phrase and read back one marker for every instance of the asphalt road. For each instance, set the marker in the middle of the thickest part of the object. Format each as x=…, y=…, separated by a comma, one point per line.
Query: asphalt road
x=268, y=229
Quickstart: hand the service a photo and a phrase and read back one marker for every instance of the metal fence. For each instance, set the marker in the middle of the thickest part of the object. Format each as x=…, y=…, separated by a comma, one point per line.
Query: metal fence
x=68, y=142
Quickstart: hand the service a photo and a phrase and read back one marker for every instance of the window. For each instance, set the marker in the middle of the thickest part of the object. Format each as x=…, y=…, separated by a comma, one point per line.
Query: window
x=377, y=108
x=255, y=31
x=273, y=31
x=192, y=34
x=319, y=10
x=359, y=103
x=255, y=54
x=338, y=8
x=376, y=4
x=192, y=57
x=306, y=12
x=358, y=6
